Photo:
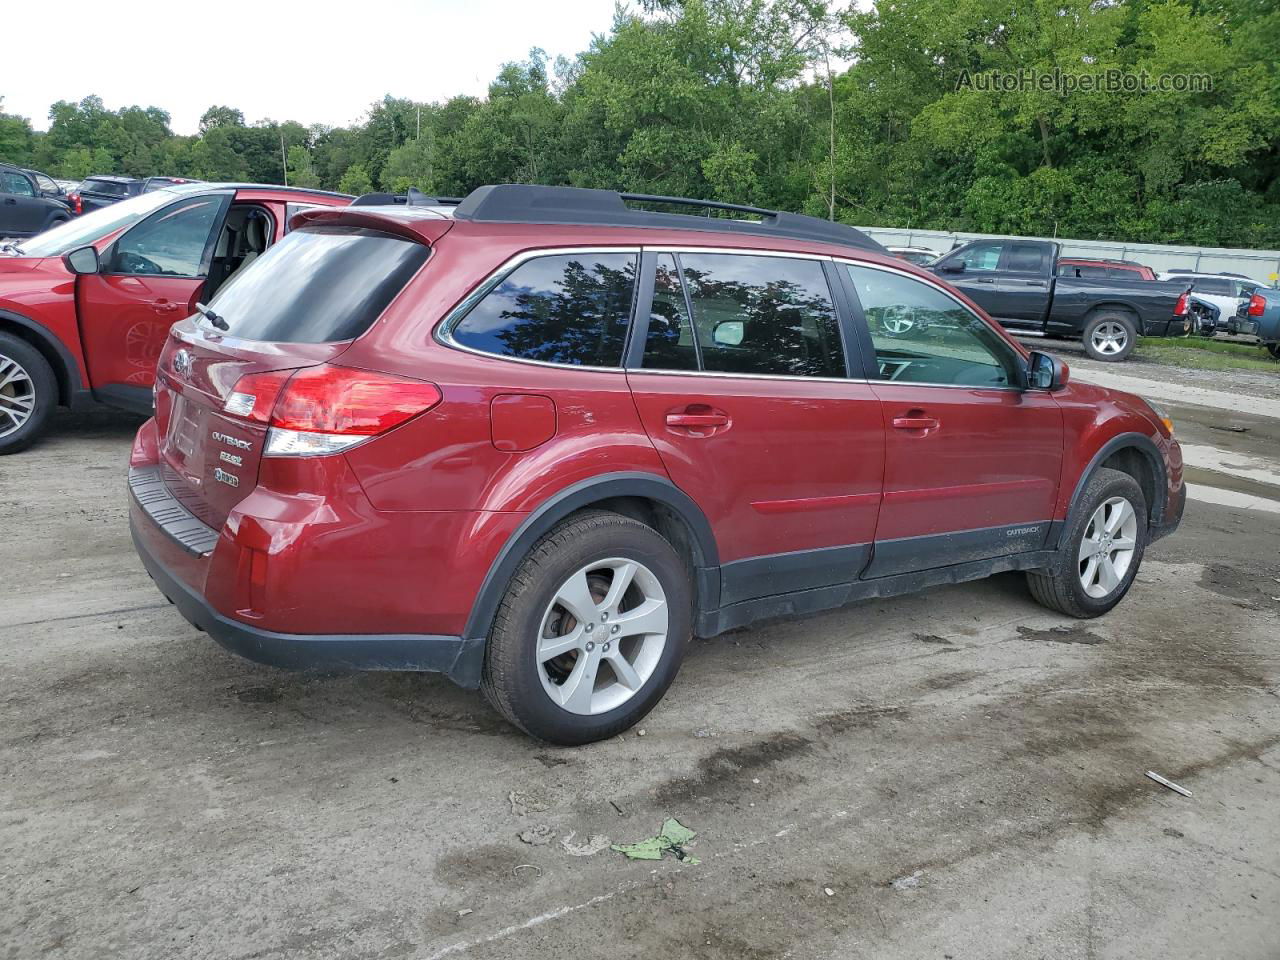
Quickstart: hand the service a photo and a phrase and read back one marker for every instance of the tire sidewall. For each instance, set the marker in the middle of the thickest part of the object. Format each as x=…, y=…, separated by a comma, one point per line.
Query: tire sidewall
x=1102, y=486
x=46, y=392
x=1096, y=321
x=536, y=711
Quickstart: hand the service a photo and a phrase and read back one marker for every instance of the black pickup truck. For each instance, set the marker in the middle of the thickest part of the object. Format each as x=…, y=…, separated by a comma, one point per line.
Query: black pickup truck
x=1016, y=282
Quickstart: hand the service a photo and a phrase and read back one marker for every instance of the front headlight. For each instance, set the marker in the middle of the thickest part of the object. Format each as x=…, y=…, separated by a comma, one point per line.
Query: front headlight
x=1160, y=412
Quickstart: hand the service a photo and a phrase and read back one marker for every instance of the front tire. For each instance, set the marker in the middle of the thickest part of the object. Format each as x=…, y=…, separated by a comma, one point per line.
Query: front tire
x=1101, y=549
x=1110, y=337
x=1274, y=350
x=28, y=394
x=591, y=631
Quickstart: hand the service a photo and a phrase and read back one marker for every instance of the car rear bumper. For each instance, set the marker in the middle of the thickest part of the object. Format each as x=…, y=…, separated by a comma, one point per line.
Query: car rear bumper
x=175, y=555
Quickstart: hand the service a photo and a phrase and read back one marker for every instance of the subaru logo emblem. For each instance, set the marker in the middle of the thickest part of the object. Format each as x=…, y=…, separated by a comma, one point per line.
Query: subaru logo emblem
x=182, y=363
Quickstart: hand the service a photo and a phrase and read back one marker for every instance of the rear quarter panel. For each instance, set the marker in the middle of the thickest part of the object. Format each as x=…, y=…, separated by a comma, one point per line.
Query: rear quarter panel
x=1075, y=297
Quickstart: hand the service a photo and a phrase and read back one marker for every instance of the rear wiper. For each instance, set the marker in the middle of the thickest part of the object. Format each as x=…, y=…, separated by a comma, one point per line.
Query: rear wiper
x=212, y=317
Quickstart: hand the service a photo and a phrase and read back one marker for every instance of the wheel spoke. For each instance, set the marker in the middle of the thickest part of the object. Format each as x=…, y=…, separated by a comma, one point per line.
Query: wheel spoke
x=1089, y=546
x=1090, y=575
x=1123, y=543
x=1121, y=512
x=649, y=617
x=575, y=692
x=1107, y=578
x=624, y=671
x=575, y=596
x=622, y=577
x=551, y=647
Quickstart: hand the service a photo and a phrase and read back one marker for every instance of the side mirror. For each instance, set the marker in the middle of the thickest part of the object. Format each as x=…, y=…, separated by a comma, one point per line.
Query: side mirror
x=953, y=266
x=82, y=260
x=728, y=333
x=1046, y=372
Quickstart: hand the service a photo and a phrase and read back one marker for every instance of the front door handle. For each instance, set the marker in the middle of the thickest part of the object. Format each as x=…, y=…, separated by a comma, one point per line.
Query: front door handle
x=915, y=420
x=985, y=280
x=165, y=306
x=697, y=420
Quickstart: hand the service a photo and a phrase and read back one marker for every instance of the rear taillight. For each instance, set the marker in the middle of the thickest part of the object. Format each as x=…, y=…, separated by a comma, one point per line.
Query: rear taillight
x=324, y=409
x=1257, y=305
x=1180, y=308
x=76, y=203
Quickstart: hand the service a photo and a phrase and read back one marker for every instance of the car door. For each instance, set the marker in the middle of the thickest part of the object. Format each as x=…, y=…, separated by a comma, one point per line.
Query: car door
x=22, y=212
x=975, y=269
x=972, y=461
x=738, y=370
x=150, y=277
x=1023, y=283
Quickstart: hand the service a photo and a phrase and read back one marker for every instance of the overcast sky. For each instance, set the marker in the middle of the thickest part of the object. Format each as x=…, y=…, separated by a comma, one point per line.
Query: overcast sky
x=315, y=62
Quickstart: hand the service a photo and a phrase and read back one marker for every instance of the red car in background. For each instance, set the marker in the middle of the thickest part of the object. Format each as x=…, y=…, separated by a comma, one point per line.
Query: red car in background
x=1108, y=269
x=86, y=306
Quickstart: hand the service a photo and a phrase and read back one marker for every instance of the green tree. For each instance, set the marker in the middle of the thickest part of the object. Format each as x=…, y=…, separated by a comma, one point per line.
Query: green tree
x=356, y=180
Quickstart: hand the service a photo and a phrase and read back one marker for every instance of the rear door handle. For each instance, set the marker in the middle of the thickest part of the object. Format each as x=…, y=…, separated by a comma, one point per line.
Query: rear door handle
x=915, y=423
x=985, y=280
x=697, y=420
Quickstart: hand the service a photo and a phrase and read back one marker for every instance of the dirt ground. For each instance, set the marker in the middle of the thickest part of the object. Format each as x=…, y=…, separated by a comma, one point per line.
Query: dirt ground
x=956, y=774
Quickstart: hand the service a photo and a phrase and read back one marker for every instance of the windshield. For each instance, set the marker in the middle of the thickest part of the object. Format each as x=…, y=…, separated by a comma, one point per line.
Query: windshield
x=93, y=226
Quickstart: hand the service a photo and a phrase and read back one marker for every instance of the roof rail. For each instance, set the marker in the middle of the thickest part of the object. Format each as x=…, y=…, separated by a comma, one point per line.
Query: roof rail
x=413, y=198
x=528, y=203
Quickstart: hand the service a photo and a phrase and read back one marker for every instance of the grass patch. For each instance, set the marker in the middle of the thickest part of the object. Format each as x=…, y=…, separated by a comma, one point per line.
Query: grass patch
x=1202, y=354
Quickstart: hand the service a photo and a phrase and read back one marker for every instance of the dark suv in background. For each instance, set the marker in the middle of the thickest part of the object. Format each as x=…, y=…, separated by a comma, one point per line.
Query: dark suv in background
x=30, y=202
x=537, y=440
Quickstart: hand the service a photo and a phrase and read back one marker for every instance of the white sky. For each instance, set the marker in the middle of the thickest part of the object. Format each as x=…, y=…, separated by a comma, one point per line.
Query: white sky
x=316, y=62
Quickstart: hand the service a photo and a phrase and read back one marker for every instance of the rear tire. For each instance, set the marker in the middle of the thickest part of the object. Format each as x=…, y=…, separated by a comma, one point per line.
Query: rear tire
x=1078, y=584
x=1110, y=336
x=28, y=394
x=1274, y=350
x=631, y=652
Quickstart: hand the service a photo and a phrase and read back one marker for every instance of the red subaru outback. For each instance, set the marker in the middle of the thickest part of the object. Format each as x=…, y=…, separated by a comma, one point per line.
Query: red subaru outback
x=538, y=441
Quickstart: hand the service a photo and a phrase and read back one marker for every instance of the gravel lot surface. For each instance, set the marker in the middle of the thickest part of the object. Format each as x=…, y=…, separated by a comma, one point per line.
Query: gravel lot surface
x=957, y=774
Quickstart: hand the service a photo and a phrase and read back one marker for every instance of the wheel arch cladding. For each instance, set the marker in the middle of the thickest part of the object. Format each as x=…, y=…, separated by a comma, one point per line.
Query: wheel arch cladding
x=55, y=354
x=1139, y=457
x=650, y=498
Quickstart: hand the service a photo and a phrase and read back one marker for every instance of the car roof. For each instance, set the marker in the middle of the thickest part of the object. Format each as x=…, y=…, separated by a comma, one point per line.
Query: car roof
x=112, y=177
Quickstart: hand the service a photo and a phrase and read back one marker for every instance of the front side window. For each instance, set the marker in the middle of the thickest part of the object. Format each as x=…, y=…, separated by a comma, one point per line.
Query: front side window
x=46, y=184
x=171, y=243
x=762, y=315
x=572, y=309
x=15, y=183
x=980, y=257
x=921, y=335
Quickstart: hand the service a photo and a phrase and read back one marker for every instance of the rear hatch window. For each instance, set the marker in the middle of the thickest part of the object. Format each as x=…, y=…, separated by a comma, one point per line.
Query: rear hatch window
x=319, y=284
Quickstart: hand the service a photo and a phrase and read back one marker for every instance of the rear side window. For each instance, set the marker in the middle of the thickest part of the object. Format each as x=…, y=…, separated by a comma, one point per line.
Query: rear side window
x=572, y=309
x=1213, y=286
x=318, y=285
x=1028, y=258
x=761, y=315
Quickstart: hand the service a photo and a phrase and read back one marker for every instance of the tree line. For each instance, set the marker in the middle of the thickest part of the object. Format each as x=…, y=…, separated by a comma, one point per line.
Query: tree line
x=864, y=116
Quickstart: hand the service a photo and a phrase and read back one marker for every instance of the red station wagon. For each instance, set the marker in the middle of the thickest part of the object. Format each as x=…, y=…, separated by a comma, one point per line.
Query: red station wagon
x=538, y=440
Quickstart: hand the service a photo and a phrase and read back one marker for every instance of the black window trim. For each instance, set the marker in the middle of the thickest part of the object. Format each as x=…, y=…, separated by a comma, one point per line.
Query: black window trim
x=871, y=370
x=443, y=333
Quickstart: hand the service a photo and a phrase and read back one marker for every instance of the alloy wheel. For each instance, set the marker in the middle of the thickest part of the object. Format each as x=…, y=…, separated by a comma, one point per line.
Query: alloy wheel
x=1108, y=546
x=17, y=396
x=1110, y=337
x=602, y=636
